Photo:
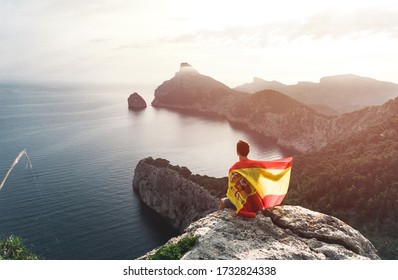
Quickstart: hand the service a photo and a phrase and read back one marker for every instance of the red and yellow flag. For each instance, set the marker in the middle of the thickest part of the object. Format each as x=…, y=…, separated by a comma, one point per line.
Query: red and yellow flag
x=256, y=185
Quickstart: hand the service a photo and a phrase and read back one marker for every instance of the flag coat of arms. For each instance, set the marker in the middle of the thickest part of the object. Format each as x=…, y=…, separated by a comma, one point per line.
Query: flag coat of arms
x=255, y=185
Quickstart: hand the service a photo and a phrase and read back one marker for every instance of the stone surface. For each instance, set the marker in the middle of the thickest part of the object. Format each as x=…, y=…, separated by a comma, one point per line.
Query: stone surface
x=135, y=101
x=225, y=236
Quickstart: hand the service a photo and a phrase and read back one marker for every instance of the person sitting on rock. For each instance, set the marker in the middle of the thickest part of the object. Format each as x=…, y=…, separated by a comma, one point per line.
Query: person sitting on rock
x=255, y=185
x=243, y=188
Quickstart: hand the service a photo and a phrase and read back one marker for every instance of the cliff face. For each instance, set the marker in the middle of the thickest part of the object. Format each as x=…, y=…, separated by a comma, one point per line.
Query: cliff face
x=284, y=232
x=169, y=192
x=270, y=113
x=275, y=115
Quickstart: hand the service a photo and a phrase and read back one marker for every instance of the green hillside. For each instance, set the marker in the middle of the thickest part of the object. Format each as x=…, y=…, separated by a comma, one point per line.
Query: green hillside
x=356, y=180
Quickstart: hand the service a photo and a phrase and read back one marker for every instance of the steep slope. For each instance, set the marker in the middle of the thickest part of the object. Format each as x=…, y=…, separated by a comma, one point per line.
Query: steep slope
x=275, y=115
x=347, y=124
x=355, y=179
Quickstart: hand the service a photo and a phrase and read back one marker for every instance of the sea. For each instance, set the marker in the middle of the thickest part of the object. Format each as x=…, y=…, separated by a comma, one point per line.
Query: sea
x=71, y=197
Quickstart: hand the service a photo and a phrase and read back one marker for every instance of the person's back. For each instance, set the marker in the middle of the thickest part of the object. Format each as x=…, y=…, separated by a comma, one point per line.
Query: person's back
x=246, y=193
x=240, y=188
x=255, y=185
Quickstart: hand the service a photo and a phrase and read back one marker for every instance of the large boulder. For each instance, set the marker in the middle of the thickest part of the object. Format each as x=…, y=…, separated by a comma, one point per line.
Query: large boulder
x=283, y=233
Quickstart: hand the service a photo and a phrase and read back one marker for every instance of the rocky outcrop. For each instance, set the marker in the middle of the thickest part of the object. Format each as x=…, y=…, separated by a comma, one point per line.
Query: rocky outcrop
x=187, y=68
x=189, y=89
x=284, y=232
x=270, y=113
x=135, y=101
x=169, y=191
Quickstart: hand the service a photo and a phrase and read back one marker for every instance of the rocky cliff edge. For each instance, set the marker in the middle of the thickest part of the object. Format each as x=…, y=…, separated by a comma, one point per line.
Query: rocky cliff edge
x=283, y=232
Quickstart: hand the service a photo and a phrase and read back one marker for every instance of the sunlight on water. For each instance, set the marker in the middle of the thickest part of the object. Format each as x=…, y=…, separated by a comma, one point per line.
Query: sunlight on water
x=85, y=143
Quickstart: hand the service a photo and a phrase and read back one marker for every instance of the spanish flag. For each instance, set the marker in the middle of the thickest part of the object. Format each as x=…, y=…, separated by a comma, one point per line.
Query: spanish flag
x=256, y=185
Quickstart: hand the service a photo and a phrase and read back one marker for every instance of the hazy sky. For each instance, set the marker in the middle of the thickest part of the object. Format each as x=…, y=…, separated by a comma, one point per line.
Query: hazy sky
x=144, y=41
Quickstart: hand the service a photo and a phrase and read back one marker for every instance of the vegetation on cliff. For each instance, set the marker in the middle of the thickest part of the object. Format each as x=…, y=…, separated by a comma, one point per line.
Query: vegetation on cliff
x=215, y=186
x=175, y=251
x=356, y=180
x=12, y=248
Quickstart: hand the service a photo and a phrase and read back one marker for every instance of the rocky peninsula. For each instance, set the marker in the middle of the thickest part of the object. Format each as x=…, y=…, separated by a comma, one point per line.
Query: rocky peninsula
x=190, y=203
x=270, y=113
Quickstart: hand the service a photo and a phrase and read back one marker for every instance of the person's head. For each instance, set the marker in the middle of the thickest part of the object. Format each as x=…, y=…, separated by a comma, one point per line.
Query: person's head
x=242, y=148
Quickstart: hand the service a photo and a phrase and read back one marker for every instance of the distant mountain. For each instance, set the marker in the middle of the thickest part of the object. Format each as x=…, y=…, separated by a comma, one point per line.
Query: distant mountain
x=332, y=95
x=270, y=113
x=189, y=88
x=259, y=84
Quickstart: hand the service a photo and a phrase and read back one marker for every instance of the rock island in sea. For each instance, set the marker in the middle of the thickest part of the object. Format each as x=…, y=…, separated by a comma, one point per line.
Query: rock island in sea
x=135, y=101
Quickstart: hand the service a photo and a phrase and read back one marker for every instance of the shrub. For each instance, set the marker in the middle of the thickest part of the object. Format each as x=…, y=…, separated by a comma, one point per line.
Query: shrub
x=12, y=248
x=175, y=251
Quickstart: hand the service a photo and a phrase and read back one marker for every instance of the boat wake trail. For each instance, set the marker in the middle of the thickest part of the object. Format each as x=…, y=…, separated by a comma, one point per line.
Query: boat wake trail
x=21, y=154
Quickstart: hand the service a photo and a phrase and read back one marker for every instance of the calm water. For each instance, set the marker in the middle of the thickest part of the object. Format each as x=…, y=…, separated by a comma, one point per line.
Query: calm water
x=77, y=200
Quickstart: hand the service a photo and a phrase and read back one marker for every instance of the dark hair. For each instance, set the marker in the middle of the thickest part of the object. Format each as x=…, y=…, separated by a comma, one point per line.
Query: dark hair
x=243, y=148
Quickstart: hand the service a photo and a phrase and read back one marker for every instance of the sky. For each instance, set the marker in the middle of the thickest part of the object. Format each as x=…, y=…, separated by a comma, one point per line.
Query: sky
x=144, y=41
